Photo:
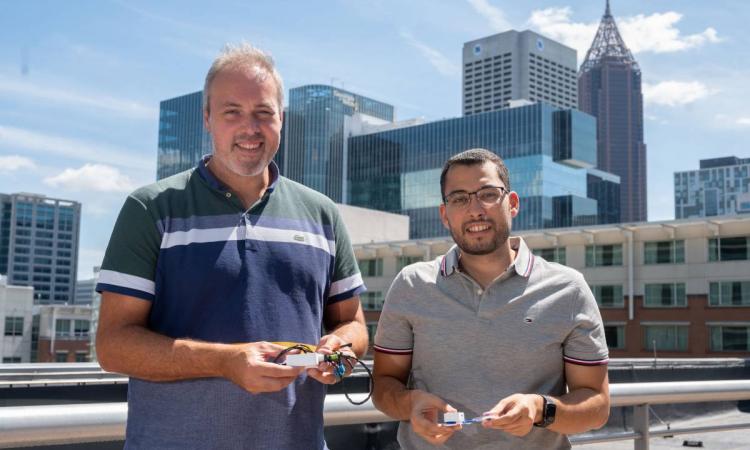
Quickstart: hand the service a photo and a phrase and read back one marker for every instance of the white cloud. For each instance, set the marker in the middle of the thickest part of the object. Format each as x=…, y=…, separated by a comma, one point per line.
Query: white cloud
x=68, y=96
x=493, y=14
x=443, y=64
x=46, y=144
x=12, y=163
x=675, y=93
x=91, y=177
x=744, y=121
x=656, y=33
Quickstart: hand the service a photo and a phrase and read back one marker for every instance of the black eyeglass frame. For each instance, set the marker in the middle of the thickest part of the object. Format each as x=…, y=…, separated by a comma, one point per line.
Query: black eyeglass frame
x=503, y=192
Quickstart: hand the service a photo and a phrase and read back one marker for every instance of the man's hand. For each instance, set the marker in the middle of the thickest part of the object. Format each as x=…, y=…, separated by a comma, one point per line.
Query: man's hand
x=425, y=409
x=250, y=367
x=514, y=414
x=327, y=345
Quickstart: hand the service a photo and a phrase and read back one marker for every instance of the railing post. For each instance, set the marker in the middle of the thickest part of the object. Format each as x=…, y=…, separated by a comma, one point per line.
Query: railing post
x=640, y=426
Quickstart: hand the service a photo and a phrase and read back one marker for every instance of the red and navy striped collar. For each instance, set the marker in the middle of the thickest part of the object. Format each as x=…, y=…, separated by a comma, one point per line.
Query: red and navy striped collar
x=214, y=182
x=523, y=264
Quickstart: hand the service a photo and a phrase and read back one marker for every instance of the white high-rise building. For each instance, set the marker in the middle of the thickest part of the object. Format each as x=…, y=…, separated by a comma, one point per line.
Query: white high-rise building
x=514, y=66
x=16, y=316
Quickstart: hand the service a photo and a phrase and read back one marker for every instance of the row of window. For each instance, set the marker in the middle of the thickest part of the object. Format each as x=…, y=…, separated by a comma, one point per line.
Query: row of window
x=374, y=267
x=658, y=252
x=660, y=295
x=668, y=337
x=75, y=328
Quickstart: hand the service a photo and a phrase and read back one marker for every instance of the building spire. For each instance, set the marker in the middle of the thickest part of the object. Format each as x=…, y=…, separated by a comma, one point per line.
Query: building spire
x=608, y=44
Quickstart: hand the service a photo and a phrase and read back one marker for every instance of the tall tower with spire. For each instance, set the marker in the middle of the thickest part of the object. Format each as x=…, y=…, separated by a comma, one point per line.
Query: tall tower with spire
x=609, y=88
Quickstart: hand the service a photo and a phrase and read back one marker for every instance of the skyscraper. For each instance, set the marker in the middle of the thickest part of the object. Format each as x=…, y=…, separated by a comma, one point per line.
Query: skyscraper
x=319, y=120
x=609, y=88
x=720, y=187
x=517, y=65
x=39, y=245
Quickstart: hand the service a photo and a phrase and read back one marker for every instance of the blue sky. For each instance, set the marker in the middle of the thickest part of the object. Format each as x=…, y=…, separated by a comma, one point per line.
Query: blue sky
x=81, y=81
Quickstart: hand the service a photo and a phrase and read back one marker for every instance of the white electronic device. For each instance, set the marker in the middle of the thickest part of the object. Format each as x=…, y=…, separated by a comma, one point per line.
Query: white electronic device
x=304, y=359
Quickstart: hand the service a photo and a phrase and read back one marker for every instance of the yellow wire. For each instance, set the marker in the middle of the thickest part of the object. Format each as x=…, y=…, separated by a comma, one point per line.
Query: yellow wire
x=292, y=344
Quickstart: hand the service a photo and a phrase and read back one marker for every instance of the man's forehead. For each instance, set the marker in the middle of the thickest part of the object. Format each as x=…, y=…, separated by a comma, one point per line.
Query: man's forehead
x=465, y=176
x=238, y=82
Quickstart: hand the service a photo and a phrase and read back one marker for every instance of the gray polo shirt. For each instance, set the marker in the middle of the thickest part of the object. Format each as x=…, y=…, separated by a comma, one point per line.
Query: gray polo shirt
x=472, y=347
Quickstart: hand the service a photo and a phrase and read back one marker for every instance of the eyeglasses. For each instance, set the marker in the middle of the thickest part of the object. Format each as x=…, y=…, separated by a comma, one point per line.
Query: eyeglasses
x=487, y=196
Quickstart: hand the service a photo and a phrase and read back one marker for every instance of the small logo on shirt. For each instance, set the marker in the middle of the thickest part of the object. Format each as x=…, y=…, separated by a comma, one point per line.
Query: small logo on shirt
x=299, y=238
x=528, y=320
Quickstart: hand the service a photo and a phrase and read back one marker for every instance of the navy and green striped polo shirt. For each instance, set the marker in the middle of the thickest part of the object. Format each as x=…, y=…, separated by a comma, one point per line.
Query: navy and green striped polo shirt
x=216, y=272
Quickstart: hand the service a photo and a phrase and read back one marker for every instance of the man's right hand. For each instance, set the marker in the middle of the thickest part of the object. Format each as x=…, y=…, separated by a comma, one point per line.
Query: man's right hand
x=425, y=410
x=250, y=367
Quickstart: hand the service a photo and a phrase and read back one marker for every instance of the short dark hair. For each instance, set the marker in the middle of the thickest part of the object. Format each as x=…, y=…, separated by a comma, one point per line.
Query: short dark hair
x=471, y=157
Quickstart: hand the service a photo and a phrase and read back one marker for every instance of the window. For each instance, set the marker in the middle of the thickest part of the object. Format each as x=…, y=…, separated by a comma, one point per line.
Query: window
x=729, y=293
x=603, y=255
x=61, y=357
x=665, y=337
x=665, y=295
x=608, y=296
x=81, y=328
x=664, y=252
x=615, y=336
x=14, y=326
x=728, y=249
x=62, y=327
x=403, y=261
x=11, y=359
x=730, y=338
x=371, y=328
x=552, y=254
x=82, y=357
x=371, y=267
x=372, y=301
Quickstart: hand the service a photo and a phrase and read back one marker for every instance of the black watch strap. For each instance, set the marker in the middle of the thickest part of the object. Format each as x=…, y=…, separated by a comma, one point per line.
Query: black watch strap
x=549, y=409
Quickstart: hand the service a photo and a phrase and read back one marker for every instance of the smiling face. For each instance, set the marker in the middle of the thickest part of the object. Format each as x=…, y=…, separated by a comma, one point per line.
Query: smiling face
x=478, y=229
x=244, y=119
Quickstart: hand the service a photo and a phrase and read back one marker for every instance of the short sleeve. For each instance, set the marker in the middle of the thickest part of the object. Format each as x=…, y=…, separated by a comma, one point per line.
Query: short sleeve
x=129, y=265
x=394, y=334
x=347, y=280
x=586, y=344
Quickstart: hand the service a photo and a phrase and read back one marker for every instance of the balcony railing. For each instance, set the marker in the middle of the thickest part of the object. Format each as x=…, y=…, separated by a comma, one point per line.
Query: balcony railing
x=78, y=423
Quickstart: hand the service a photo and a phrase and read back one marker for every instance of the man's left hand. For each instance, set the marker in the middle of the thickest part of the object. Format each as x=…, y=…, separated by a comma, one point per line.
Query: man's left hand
x=514, y=414
x=324, y=372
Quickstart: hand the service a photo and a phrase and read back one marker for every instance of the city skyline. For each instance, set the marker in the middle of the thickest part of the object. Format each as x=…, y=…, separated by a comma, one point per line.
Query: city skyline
x=82, y=85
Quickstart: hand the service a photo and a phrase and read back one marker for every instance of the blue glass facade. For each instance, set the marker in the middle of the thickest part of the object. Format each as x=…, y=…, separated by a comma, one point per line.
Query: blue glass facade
x=605, y=189
x=182, y=137
x=318, y=118
x=545, y=149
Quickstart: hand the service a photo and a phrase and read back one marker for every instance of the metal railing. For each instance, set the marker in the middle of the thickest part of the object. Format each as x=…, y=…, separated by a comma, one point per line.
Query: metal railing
x=58, y=424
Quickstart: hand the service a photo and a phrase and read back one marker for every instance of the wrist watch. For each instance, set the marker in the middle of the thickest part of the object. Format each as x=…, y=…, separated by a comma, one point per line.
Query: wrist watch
x=549, y=408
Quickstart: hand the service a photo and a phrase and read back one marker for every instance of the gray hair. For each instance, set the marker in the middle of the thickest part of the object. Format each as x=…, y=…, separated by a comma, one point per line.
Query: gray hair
x=244, y=56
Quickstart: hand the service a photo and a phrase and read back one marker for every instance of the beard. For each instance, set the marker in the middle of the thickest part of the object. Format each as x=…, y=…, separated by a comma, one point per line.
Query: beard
x=473, y=246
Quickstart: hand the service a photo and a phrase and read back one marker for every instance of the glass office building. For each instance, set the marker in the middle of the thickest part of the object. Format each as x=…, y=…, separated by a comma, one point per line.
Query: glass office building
x=319, y=122
x=39, y=245
x=547, y=150
x=609, y=88
x=182, y=137
x=720, y=187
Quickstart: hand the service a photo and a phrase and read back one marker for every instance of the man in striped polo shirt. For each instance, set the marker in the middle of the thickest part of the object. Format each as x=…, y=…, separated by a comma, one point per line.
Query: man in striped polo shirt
x=206, y=269
x=514, y=342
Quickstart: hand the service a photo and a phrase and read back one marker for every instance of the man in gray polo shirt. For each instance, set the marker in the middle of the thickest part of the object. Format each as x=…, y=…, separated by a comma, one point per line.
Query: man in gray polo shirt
x=489, y=330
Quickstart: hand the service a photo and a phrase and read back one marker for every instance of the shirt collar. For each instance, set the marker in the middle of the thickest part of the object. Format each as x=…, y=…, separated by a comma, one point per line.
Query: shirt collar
x=522, y=264
x=218, y=185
